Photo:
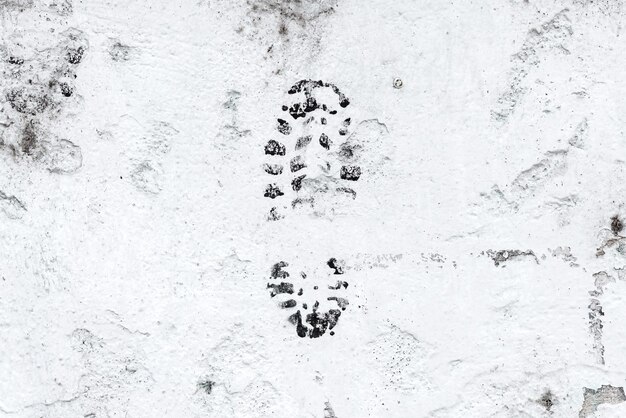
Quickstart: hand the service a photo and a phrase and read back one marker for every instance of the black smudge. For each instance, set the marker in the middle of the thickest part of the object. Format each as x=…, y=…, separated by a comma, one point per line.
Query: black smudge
x=28, y=140
x=284, y=127
x=339, y=285
x=278, y=272
x=206, y=386
x=66, y=90
x=277, y=289
x=336, y=265
x=296, y=111
x=274, y=148
x=288, y=304
x=27, y=102
x=350, y=172
x=75, y=55
x=15, y=60
x=272, y=191
x=325, y=141
x=296, y=183
x=616, y=225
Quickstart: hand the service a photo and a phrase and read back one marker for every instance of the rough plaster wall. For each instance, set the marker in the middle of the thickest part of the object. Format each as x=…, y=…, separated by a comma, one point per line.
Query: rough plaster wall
x=454, y=249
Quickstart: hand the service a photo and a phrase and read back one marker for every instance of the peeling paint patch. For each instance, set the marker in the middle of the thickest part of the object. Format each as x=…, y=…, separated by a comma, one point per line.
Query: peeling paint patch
x=593, y=398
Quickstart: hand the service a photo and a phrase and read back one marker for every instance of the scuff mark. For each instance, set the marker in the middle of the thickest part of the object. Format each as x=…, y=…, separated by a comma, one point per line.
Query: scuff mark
x=12, y=207
x=528, y=182
x=551, y=35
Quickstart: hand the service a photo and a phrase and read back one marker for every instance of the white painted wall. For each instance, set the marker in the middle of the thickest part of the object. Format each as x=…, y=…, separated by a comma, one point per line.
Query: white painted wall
x=135, y=249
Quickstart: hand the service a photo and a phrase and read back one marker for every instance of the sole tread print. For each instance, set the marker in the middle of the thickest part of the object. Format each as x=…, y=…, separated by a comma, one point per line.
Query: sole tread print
x=318, y=297
x=309, y=151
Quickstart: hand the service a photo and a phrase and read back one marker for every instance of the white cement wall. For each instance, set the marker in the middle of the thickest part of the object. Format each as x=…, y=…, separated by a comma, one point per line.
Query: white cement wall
x=466, y=221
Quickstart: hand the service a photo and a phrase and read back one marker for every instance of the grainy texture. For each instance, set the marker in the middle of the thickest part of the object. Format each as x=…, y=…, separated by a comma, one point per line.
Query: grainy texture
x=299, y=208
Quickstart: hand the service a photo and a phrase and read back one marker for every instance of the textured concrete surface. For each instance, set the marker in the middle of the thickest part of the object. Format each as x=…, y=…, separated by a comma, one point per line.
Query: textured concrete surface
x=333, y=208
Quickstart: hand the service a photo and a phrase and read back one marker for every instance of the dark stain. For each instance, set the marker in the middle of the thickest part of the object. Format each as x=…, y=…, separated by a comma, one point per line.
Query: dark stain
x=339, y=285
x=274, y=148
x=66, y=90
x=283, y=127
x=336, y=265
x=546, y=400
x=325, y=142
x=288, y=304
x=344, y=131
x=616, y=225
x=278, y=272
x=282, y=29
x=283, y=287
x=296, y=111
x=350, y=172
x=206, y=386
x=15, y=60
x=75, y=55
x=28, y=141
x=296, y=183
x=272, y=191
x=27, y=102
